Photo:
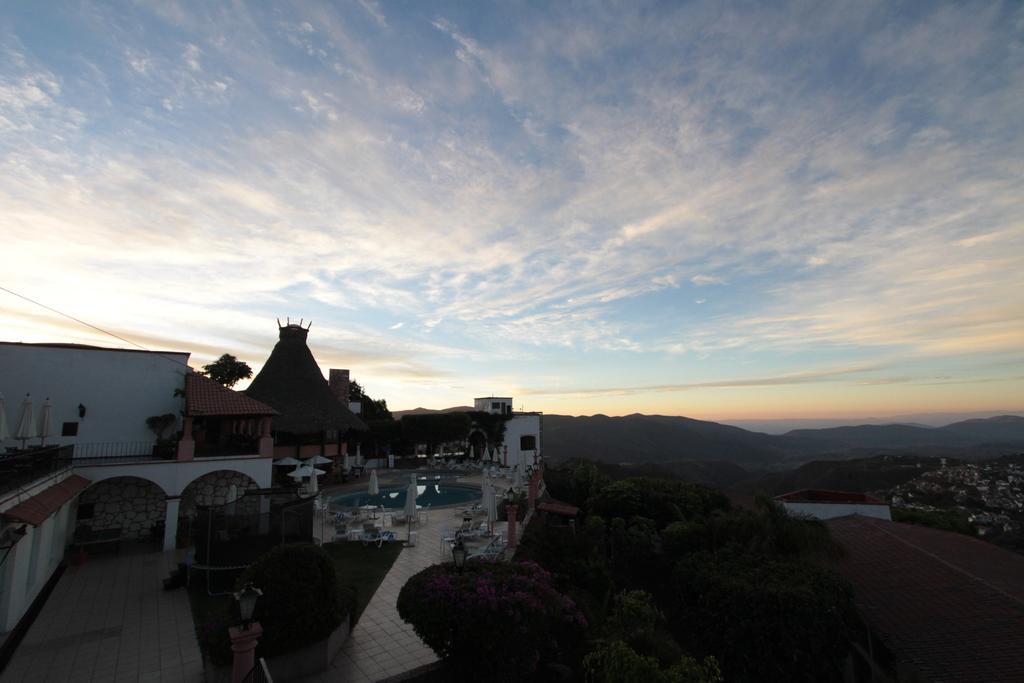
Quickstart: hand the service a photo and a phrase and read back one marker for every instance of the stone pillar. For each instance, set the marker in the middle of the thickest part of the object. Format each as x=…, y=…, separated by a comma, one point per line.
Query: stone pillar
x=512, y=512
x=186, y=445
x=171, y=523
x=534, y=487
x=266, y=443
x=243, y=645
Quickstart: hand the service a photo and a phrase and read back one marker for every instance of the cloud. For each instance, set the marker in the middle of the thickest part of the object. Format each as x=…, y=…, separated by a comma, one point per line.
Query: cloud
x=704, y=280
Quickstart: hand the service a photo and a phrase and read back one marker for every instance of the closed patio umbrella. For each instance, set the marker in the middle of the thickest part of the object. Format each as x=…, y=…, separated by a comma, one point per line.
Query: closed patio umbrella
x=344, y=462
x=410, y=498
x=4, y=433
x=374, y=489
x=359, y=455
x=27, y=424
x=490, y=504
x=46, y=421
x=517, y=478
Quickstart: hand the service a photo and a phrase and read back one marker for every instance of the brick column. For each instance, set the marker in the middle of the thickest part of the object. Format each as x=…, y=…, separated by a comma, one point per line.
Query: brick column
x=186, y=445
x=512, y=512
x=243, y=645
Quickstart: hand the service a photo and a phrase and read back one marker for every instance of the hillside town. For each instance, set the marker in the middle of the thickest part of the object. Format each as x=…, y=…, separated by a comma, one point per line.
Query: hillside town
x=990, y=495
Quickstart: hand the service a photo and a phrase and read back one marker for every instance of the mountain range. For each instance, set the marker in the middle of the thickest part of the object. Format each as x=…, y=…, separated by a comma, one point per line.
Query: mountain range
x=663, y=439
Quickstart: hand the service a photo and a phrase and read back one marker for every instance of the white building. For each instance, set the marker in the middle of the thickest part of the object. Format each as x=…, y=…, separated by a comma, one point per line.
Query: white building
x=104, y=471
x=522, y=431
x=830, y=504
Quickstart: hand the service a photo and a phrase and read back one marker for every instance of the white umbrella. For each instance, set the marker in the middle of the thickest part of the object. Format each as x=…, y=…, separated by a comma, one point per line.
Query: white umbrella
x=318, y=460
x=359, y=455
x=410, y=498
x=284, y=462
x=517, y=478
x=46, y=421
x=305, y=471
x=374, y=489
x=27, y=424
x=490, y=504
x=344, y=462
x=4, y=434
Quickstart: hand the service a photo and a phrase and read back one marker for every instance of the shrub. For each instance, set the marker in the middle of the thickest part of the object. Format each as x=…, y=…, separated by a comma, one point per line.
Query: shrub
x=662, y=500
x=495, y=620
x=301, y=599
x=764, y=617
x=617, y=662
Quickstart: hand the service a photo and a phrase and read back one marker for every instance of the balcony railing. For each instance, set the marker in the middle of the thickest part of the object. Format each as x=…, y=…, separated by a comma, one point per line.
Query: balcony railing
x=117, y=452
x=23, y=467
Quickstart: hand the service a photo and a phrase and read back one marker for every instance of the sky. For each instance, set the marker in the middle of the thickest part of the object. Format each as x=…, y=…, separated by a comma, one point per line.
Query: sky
x=713, y=209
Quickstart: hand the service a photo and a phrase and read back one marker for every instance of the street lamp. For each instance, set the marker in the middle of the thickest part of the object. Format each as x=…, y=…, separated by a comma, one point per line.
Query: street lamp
x=247, y=598
x=459, y=553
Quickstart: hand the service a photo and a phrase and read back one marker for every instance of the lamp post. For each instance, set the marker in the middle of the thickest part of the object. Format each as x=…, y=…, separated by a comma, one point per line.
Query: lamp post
x=511, y=513
x=459, y=553
x=245, y=637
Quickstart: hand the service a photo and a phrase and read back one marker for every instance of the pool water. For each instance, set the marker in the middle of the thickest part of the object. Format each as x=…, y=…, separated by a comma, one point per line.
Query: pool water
x=433, y=494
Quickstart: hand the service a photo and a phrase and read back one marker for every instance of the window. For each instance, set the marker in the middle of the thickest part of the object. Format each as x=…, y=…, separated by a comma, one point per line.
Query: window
x=528, y=442
x=69, y=429
x=495, y=406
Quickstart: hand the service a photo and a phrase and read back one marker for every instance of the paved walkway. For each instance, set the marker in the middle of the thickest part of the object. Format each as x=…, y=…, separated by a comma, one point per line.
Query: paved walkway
x=382, y=645
x=111, y=620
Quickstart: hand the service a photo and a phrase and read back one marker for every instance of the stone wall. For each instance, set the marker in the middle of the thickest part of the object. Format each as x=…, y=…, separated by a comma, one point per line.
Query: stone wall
x=130, y=503
x=213, y=489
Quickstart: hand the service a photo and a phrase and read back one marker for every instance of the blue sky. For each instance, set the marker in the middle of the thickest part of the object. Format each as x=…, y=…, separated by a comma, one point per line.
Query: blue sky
x=721, y=210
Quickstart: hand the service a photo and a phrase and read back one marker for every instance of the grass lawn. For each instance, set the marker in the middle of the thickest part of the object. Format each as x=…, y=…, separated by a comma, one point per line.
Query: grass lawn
x=360, y=569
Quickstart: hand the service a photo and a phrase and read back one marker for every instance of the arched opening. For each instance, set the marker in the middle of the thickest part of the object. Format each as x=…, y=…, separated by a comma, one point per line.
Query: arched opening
x=215, y=489
x=132, y=506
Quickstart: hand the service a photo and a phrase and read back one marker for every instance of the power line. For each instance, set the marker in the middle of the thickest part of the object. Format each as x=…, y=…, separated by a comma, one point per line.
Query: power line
x=82, y=322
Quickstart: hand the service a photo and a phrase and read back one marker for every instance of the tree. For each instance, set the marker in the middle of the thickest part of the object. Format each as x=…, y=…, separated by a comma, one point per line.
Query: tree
x=227, y=370
x=373, y=409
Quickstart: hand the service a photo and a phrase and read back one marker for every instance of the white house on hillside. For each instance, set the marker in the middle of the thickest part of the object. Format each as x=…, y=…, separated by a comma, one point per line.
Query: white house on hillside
x=832, y=504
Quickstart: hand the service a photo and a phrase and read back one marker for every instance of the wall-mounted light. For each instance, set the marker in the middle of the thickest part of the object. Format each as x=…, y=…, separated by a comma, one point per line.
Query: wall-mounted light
x=81, y=411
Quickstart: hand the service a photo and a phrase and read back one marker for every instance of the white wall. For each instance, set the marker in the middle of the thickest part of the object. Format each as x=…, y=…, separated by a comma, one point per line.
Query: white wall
x=831, y=510
x=20, y=586
x=518, y=426
x=119, y=389
x=485, y=404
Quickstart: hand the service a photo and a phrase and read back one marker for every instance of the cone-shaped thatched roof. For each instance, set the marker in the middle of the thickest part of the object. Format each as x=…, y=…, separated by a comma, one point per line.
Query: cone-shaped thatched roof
x=291, y=382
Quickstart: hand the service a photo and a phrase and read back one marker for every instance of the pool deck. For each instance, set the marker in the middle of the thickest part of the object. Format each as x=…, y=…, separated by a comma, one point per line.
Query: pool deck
x=382, y=646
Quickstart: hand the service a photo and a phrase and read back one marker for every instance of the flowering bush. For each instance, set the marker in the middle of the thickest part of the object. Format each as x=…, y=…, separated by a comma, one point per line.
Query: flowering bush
x=495, y=619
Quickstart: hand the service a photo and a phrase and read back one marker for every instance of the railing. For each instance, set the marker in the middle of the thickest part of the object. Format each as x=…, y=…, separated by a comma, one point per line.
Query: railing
x=21, y=468
x=259, y=673
x=117, y=452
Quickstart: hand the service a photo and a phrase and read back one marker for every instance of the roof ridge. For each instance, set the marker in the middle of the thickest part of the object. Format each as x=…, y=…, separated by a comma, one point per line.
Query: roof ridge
x=947, y=563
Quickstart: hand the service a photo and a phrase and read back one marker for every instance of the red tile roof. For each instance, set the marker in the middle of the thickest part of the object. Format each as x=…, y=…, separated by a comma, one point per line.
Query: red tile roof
x=559, y=508
x=203, y=396
x=820, y=496
x=946, y=604
x=39, y=507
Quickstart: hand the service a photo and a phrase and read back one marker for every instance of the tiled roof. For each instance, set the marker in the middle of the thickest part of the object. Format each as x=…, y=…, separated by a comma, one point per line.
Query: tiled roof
x=39, y=507
x=948, y=605
x=203, y=396
x=558, y=507
x=820, y=496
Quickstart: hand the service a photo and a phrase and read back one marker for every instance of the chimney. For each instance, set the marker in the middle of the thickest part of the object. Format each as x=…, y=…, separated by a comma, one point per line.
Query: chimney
x=339, y=384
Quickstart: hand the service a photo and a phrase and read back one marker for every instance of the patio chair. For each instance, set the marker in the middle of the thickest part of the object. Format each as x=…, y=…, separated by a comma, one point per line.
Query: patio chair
x=378, y=536
x=491, y=551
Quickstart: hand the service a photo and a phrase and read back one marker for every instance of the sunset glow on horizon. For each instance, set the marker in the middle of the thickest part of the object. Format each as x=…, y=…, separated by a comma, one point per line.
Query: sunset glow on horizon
x=776, y=212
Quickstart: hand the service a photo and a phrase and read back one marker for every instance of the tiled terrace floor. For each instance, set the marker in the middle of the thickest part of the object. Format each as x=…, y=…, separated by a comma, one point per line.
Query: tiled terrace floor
x=111, y=620
x=382, y=645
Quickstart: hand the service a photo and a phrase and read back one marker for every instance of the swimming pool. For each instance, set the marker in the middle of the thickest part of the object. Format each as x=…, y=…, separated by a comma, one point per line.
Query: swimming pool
x=428, y=493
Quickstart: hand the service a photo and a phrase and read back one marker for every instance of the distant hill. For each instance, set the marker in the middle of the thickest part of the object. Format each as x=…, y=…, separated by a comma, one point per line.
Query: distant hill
x=720, y=475
x=861, y=475
x=662, y=439
x=655, y=439
x=397, y=414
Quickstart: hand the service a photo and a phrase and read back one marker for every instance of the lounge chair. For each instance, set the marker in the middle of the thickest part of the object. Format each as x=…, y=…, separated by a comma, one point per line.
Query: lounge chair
x=491, y=551
x=378, y=536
